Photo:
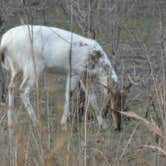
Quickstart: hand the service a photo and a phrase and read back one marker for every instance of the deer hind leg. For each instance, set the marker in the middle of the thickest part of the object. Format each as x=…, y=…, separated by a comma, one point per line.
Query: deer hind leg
x=117, y=120
x=25, y=89
x=12, y=119
x=3, y=87
x=70, y=86
x=11, y=105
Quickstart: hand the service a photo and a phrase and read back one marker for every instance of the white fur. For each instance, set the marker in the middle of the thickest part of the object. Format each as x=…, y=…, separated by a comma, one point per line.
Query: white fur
x=46, y=47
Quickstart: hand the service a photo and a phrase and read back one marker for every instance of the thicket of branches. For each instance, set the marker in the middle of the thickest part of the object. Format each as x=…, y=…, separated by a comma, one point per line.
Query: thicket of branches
x=131, y=31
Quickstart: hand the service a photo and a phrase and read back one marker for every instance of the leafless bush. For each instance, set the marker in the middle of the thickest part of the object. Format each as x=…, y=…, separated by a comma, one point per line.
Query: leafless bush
x=133, y=34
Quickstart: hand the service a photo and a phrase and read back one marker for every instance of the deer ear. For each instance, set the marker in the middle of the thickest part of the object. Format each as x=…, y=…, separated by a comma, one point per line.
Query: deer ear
x=126, y=89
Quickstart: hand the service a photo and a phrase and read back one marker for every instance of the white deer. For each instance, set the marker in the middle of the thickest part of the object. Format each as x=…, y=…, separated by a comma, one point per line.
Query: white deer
x=30, y=49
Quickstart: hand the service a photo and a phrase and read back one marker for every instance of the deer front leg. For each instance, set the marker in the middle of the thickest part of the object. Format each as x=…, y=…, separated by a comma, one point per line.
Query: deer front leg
x=93, y=102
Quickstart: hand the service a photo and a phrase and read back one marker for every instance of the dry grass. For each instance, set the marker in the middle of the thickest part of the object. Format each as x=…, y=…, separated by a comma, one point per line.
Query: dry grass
x=47, y=145
x=139, y=47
